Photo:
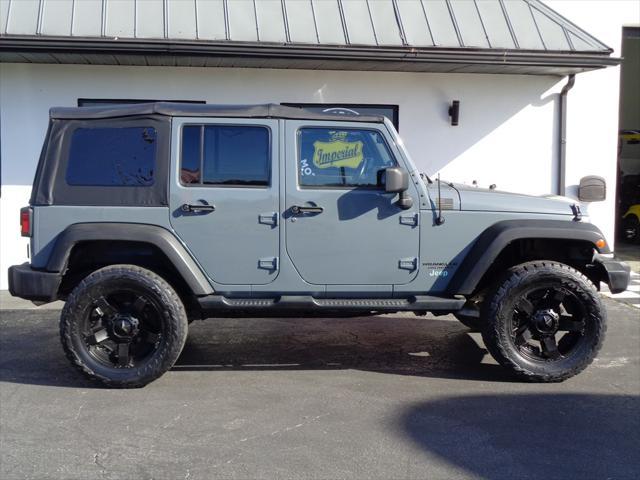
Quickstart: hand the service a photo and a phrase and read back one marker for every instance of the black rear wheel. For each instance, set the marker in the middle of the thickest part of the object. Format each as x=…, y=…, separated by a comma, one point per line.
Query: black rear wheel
x=544, y=321
x=124, y=326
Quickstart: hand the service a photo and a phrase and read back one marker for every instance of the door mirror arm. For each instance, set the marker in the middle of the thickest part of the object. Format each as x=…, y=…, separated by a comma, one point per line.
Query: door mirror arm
x=405, y=202
x=396, y=180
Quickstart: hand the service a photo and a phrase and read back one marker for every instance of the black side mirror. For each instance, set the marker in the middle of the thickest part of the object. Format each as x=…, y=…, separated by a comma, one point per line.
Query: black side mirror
x=396, y=180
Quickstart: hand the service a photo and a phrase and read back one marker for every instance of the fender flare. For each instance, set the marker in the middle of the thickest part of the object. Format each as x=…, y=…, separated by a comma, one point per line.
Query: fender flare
x=154, y=235
x=496, y=238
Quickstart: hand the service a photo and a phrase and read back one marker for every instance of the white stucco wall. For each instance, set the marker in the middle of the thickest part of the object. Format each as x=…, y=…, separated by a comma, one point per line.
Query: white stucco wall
x=592, y=124
x=507, y=133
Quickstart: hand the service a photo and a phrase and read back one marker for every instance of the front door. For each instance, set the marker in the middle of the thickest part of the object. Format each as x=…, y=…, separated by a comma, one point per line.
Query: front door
x=224, y=197
x=342, y=228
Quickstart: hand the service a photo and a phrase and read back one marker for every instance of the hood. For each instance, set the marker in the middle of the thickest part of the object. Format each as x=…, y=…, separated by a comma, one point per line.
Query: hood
x=486, y=200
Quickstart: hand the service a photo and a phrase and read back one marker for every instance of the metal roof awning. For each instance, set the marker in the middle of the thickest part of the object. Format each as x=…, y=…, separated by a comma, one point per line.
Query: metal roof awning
x=487, y=36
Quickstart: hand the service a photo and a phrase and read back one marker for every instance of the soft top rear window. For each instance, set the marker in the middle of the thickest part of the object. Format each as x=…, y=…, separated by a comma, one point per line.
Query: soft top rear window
x=112, y=156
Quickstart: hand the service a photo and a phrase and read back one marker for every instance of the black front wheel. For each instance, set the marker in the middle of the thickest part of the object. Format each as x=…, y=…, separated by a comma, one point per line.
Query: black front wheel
x=124, y=326
x=544, y=321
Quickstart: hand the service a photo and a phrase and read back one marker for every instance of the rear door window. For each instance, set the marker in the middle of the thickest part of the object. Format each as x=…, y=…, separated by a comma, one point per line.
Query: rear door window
x=231, y=155
x=112, y=157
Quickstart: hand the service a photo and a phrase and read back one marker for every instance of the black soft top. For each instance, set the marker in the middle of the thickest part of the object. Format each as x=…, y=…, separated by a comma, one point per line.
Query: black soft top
x=50, y=186
x=174, y=109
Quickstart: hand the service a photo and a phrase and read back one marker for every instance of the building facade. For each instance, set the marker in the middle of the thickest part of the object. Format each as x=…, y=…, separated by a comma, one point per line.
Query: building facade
x=506, y=62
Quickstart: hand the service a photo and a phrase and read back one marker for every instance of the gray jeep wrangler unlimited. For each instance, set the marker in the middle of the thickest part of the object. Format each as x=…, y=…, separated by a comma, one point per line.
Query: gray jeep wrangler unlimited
x=145, y=217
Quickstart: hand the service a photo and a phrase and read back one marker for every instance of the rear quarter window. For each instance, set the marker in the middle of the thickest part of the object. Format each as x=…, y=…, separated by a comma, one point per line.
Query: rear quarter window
x=112, y=156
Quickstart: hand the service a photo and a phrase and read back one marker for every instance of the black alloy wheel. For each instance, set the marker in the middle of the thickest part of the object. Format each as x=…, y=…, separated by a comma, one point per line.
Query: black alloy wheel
x=123, y=328
x=548, y=323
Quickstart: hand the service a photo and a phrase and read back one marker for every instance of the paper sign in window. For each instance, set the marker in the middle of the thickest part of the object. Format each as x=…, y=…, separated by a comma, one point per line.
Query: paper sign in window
x=337, y=152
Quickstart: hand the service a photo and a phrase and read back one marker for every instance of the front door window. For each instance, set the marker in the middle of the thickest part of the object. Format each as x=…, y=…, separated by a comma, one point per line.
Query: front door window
x=342, y=157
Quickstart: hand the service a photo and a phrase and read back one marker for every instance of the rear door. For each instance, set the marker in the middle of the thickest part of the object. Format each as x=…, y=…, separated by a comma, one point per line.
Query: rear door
x=342, y=228
x=224, y=197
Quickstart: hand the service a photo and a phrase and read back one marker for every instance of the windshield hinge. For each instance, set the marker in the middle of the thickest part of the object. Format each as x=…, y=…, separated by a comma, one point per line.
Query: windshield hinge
x=577, y=214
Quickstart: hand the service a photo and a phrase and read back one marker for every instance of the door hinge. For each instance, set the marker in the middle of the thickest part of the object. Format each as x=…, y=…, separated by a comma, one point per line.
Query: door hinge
x=411, y=220
x=408, y=263
x=268, y=263
x=270, y=218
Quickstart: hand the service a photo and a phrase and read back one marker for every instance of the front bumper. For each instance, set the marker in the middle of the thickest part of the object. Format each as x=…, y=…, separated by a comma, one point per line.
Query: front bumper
x=615, y=274
x=35, y=285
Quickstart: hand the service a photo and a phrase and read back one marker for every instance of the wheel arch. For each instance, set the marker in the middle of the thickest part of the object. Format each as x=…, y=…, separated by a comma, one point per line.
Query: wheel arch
x=116, y=237
x=509, y=242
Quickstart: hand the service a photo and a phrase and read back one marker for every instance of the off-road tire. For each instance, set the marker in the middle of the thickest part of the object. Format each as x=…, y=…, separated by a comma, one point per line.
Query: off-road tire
x=498, y=306
x=174, y=319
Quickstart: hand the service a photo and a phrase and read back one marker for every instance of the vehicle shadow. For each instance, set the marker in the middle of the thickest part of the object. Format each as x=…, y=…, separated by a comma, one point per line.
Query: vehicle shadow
x=399, y=345
x=530, y=436
x=30, y=351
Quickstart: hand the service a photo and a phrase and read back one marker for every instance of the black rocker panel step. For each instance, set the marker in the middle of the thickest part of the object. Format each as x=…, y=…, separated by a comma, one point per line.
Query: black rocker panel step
x=418, y=302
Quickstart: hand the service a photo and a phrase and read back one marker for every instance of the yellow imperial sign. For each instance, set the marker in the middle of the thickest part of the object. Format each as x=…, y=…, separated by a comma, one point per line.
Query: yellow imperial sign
x=337, y=152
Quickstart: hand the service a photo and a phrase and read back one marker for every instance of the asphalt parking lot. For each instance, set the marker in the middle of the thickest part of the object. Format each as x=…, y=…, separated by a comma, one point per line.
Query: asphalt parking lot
x=393, y=397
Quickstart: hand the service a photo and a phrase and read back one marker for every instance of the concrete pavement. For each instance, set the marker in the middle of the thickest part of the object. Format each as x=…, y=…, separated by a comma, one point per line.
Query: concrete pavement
x=387, y=398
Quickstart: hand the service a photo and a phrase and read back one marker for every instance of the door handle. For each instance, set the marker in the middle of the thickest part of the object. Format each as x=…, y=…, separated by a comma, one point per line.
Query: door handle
x=298, y=210
x=189, y=208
